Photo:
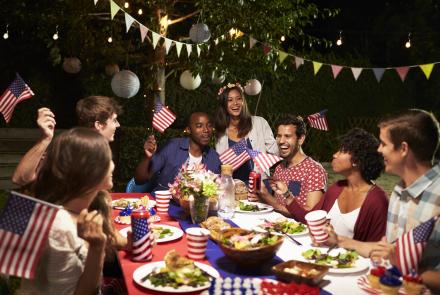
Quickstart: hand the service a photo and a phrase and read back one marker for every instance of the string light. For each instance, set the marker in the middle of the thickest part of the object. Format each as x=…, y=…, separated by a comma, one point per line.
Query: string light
x=408, y=42
x=339, y=41
x=283, y=38
x=6, y=34
x=140, y=11
x=126, y=5
x=110, y=39
x=55, y=36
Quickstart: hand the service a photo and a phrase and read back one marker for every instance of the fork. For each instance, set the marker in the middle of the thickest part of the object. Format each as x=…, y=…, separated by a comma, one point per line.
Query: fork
x=286, y=235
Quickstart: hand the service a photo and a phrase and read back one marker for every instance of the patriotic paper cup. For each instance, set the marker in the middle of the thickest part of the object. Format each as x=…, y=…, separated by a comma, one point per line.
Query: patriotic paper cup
x=317, y=221
x=142, y=239
x=162, y=201
x=197, y=239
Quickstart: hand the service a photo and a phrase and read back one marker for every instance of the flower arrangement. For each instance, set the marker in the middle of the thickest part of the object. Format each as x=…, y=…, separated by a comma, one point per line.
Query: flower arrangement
x=229, y=85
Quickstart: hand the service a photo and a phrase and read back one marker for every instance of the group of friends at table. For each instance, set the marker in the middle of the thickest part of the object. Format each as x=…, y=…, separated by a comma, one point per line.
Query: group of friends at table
x=74, y=169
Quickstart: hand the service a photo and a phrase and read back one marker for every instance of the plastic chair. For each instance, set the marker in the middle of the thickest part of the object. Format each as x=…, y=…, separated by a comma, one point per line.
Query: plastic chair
x=132, y=187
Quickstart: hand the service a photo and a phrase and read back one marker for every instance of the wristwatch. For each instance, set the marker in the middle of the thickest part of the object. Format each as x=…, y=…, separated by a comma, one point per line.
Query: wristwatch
x=286, y=194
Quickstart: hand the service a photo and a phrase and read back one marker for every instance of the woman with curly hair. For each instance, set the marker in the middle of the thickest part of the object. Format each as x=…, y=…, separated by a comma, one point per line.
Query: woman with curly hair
x=356, y=206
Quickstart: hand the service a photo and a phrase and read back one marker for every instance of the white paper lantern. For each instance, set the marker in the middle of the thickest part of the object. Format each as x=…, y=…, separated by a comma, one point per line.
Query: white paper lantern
x=252, y=87
x=199, y=33
x=111, y=69
x=218, y=78
x=188, y=81
x=125, y=84
x=72, y=65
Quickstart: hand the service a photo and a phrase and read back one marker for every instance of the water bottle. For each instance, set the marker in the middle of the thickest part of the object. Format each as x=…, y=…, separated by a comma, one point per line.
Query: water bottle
x=226, y=193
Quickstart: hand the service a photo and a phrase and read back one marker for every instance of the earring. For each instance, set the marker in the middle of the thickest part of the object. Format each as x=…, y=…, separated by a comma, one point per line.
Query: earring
x=353, y=165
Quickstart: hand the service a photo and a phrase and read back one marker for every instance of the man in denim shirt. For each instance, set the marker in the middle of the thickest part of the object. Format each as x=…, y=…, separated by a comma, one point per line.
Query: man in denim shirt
x=164, y=164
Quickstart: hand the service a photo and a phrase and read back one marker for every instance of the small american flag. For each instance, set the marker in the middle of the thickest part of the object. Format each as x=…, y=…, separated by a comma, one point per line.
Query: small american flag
x=236, y=155
x=24, y=228
x=318, y=120
x=14, y=94
x=142, y=239
x=262, y=160
x=162, y=117
x=410, y=246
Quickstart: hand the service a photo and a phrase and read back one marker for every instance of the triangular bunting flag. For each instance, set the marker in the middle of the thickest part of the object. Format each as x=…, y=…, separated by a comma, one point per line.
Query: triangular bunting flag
x=336, y=70
x=356, y=72
x=114, y=8
x=178, y=47
x=216, y=41
x=402, y=71
x=144, y=31
x=266, y=49
x=128, y=21
x=209, y=46
x=282, y=56
x=316, y=66
x=156, y=38
x=188, y=49
x=298, y=62
x=378, y=73
x=427, y=69
x=95, y=1
x=199, y=49
x=252, y=42
x=275, y=67
x=167, y=44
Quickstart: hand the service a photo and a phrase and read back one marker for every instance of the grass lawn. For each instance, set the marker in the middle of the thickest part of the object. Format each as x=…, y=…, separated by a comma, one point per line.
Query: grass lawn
x=385, y=181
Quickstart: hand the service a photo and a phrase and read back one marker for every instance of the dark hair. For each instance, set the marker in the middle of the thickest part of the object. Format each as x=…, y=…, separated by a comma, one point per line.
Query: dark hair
x=362, y=146
x=76, y=161
x=188, y=119
x=297, y=121
x=96, y=108
x=222, y=118
x=418, y=128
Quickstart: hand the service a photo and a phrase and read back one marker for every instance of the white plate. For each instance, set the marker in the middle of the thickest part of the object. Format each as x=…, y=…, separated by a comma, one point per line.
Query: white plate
x=305, y=231
x=360, y=264
x=151, y=203
x=176, y=232
x=146, y=269
x=265, y=208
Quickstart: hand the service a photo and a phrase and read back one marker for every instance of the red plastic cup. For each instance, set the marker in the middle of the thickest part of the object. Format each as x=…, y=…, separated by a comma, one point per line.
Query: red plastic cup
x=197, y=239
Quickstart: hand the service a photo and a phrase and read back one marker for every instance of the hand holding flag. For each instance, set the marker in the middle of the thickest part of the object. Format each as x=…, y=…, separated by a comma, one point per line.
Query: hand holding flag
x=318, y=120
x=162, y=117
x=14, y=94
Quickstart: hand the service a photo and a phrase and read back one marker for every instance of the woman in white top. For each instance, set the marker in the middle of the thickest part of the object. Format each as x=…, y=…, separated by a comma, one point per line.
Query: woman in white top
x=77, y=167
x=233, y=122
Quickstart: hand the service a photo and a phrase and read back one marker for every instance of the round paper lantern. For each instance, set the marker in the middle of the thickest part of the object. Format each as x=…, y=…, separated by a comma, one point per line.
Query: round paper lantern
x=218, y=78
x=125, y=84
x=253, y=87
x=199, y=33
x=72, y=65
x=111, y=69
x=188, y=81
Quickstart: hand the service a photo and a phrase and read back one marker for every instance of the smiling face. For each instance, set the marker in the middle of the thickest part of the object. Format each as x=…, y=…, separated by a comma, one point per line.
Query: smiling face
x=288, y=142
x=234, y=103
x=342, y=162
x=109, y=128
x=392, y=156
x=200, y=128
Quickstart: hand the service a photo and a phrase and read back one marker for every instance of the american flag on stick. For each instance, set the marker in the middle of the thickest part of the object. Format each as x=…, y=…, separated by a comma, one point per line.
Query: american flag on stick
x=162, y=117
x=318, y=120
x=14, y=94
x=236, y=155
x=410, y=246
x=24, y=228
x=262, y=160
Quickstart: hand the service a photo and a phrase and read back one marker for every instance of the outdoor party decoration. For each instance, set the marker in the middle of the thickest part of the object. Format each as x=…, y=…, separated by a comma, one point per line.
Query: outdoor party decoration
x=188, y=81
x=24, y=227
x=199, y=33
x=72, y=65
x=125, y=84
x=262, y=160
x=162, y=117
x=252, y=87
x=318, y=120
x=236, y=155
x=218, y=78
x=111, y=69
x=14, y=94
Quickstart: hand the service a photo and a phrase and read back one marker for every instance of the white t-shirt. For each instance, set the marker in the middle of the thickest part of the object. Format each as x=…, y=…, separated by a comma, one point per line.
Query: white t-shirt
x=343, y=223
x=193, y=161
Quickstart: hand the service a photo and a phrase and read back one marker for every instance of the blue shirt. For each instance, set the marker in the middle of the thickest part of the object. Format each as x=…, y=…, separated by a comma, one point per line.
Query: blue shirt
x=166, y=163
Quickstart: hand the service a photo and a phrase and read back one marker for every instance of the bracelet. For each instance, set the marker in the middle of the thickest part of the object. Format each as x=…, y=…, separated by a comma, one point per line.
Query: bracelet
x=286, y=194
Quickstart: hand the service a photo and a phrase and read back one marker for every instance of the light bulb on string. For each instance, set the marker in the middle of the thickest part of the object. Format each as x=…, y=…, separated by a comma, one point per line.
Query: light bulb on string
x=283, y=38
x=126, y=4
x=140, y=11
x=339, y=41
x=110, y=39
x=408, y=42
x=55, y=36
x=6, y=34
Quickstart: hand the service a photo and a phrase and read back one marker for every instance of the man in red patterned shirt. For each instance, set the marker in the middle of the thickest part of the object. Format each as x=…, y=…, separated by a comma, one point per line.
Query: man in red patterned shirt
x=298, y=182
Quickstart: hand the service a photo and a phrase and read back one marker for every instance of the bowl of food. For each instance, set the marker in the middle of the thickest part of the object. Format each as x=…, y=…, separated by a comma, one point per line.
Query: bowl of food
x=215, y=225
x=248, y=248
x=300, y=272
x=241, y=190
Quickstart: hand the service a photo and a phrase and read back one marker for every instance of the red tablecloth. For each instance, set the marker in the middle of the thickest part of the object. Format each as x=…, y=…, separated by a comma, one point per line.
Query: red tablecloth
x=159, y=250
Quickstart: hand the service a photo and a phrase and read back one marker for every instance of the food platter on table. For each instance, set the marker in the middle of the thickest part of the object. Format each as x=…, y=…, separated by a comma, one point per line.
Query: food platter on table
x=252, y=207
x=122, y=203
x=283, y=225
x=168, y=232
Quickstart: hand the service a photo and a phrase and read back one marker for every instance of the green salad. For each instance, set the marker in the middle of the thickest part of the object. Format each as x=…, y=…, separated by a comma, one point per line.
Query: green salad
x=249, y=207
x=160, y=232
x=285, y=227
x=163, y=277
x=342, y=260
x=250, y=240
